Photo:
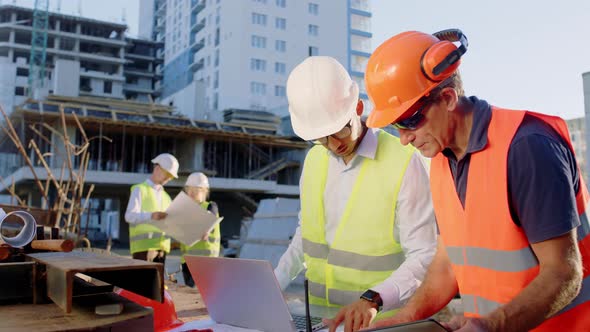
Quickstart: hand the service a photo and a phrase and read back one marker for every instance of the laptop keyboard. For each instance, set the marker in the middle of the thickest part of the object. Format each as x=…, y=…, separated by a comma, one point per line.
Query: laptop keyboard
x=300, y=323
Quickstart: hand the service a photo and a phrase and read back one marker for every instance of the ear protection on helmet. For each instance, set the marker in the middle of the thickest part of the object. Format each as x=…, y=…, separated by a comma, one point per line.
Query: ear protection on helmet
x=440, y=60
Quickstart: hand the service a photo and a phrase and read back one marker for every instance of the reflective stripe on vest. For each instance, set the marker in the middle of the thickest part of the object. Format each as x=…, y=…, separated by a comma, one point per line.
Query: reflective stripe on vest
x=211, y=247
x=144, y=237
x=491, y=256
x=364, y=252
x=351, y=259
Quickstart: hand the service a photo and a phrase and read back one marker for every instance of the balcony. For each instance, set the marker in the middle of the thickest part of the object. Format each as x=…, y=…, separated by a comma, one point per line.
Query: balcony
x=196, y=27
x=161, y=8
x=160, y=24
x=197, y=46
x=196, y=65
x=197, y=6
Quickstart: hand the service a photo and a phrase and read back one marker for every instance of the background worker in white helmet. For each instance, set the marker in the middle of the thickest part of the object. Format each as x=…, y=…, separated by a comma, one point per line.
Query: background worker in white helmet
x=147, y=202
x=367, y=230
x=197, y=187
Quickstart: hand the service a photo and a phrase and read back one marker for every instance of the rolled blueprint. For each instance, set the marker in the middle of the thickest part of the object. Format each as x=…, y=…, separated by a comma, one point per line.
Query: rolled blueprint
x=24, y=234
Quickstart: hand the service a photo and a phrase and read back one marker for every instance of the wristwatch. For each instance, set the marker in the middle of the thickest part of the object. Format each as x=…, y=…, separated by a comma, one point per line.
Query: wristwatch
x=374, y=297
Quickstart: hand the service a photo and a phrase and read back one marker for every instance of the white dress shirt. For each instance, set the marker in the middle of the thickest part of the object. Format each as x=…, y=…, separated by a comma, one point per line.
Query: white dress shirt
x=134, y=214
x=414, y=227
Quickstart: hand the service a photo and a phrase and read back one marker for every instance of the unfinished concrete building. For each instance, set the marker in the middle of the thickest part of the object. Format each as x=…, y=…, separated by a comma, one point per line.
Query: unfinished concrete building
x=245, y=163
x=83, y=57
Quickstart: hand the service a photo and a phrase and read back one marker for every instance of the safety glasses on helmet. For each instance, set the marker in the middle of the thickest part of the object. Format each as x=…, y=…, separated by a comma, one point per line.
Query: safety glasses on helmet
x=342, y=134
x=414, y=121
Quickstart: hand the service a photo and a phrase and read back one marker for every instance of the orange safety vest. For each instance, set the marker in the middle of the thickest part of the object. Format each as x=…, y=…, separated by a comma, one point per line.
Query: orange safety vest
x=490, y=255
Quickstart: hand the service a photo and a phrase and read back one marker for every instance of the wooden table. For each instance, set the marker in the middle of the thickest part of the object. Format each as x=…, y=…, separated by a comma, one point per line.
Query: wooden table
x=50, y=317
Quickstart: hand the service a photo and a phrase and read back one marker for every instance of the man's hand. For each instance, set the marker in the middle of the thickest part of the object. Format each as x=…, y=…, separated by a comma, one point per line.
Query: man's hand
x=205, y=237
x=466, y=324
x=355, y=316
x=159, y=215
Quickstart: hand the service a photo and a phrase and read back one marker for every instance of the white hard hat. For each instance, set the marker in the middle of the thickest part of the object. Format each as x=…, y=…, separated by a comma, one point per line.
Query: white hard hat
x=197, y=179
x=322, y=97
x=167, y=162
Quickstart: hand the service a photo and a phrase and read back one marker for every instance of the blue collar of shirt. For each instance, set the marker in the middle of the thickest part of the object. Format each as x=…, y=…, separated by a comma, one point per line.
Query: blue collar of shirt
x=478, y=139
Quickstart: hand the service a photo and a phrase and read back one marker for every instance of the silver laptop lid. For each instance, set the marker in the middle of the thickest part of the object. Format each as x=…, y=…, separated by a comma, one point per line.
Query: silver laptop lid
x=241, y=292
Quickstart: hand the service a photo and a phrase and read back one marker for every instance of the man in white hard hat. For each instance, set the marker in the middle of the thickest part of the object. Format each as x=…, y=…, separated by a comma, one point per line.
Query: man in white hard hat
x=197, y=187
x=367, y=229
x=147, y=202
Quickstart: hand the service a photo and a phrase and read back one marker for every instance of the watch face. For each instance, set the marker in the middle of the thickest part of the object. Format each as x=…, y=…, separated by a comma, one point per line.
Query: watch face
x=369, y=295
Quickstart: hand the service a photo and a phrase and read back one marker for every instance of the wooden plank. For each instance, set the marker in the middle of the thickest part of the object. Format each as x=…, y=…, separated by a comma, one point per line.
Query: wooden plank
x=87, y=261
x=49, y=317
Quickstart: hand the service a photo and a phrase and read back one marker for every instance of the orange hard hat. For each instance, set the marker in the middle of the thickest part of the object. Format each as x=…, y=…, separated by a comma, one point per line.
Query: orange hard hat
x=165, y=317
x=406, y=68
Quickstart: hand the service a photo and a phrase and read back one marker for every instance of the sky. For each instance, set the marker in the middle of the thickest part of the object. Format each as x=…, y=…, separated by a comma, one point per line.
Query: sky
x=523, y=54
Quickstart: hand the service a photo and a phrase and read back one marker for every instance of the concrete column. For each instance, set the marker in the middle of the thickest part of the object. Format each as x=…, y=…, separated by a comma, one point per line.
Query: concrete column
x=59, y=154
x=190, y=154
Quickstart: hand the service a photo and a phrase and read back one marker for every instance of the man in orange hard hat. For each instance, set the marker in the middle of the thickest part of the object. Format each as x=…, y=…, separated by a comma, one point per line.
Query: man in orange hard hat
x=508, y=196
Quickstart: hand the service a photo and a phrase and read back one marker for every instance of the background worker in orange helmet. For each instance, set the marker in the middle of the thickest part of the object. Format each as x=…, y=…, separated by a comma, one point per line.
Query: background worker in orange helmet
x=508, y=196
x=367, y=229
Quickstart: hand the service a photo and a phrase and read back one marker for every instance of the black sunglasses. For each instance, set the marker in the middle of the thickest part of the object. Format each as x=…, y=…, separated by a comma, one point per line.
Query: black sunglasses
x=414, y=121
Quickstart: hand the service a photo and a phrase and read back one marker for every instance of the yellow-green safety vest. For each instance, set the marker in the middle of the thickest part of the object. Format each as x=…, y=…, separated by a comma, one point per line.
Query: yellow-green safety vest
x=364, y=251
x=144, y=237
x=211, y=247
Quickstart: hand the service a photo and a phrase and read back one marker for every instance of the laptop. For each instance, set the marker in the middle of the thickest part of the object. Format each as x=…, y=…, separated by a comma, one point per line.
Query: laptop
x=426, y=325
x=245, y=293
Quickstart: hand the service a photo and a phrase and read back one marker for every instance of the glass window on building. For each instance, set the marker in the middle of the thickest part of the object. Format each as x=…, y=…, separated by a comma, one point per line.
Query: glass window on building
x=19, y=91
x=360, y=5
x=216, y=80
x=281, y=3
x=281, y=23
x=313, y=30
x=108, y=87
x=279, y=91
x=257, y=65
x=216, y=58
x=258, y=88
x=360, y=43
x=313, y=51
x=313, y=8
x=358, y=63
x=280, y=46
x=258, y=41
x=280, y=68
x=361, y=23
x=260, y=1
x=215, y=101
x=259, y=19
